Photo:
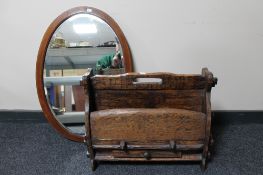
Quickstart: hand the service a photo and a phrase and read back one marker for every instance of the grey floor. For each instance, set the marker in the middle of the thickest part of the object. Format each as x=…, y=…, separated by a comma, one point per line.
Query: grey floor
x=35, y=148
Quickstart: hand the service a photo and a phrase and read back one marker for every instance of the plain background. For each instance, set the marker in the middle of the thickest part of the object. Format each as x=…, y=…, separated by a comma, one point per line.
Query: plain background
x=179, y=36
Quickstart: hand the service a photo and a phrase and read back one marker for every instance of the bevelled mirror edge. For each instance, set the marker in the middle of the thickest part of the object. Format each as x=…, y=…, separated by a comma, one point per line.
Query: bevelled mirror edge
x=42, y=54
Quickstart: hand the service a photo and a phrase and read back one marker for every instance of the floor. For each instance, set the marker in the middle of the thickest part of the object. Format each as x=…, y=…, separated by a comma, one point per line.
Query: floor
x=35, y=148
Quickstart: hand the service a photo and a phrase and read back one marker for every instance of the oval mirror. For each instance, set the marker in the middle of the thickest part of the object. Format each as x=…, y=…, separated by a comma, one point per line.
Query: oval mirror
x=81, y=39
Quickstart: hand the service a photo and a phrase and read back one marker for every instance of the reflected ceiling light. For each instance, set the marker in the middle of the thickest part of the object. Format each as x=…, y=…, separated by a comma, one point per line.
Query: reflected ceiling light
x=87, y=16
x=79, y=16
x=85, y=28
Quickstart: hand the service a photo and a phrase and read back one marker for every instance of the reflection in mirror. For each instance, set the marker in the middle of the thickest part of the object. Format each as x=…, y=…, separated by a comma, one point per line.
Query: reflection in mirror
x=82, y=43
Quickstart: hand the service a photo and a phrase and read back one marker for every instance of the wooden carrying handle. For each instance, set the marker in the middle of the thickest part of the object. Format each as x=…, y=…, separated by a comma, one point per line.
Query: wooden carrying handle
x=140, y=81
x=158, y=78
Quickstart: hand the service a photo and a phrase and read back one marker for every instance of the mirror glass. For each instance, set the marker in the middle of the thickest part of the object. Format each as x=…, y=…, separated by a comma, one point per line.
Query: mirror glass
x=81, y=43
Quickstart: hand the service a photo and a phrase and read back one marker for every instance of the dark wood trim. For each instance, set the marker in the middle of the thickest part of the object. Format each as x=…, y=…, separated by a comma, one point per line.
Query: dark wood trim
x=87, y=89
x=195, y=157
x=153, y=147
x=42, y=53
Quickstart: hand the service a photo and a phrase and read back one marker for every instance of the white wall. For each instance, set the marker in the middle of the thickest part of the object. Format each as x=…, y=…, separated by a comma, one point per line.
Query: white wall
x=179, y=36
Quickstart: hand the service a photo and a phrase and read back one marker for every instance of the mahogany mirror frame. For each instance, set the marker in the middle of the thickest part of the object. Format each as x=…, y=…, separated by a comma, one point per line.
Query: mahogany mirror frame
x=42, y=54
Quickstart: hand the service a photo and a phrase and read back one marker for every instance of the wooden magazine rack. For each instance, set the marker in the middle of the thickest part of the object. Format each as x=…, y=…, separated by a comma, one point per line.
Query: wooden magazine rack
x=129, y=119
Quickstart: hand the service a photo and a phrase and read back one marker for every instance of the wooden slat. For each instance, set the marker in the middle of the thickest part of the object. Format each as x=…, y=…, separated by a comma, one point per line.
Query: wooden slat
x=190, y=157
x=183, y=99
x=147, y=124
x=151, y=147
x=147, y=142
x=139, y=153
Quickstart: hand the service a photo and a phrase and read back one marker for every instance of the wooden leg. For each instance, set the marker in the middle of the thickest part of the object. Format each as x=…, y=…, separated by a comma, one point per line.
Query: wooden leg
x=93, y=164
x=203, y=164
x=210, y=148
x=87, y=154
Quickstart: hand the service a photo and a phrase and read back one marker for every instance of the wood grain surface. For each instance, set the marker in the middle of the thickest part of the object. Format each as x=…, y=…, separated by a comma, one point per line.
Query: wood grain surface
x=147, y=124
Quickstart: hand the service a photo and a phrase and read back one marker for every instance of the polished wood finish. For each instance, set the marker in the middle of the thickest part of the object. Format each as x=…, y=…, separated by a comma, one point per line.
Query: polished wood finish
x=42, y=54
x=131, y=120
